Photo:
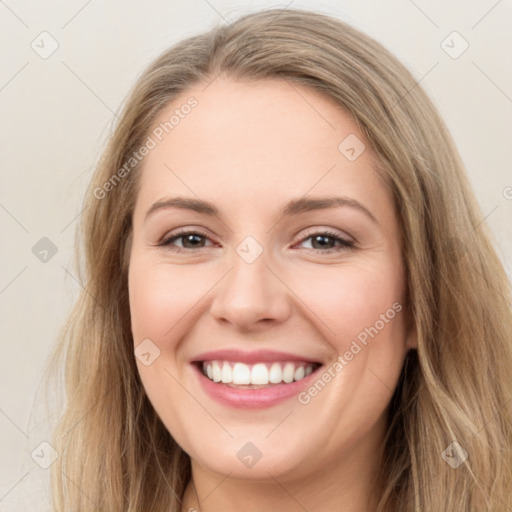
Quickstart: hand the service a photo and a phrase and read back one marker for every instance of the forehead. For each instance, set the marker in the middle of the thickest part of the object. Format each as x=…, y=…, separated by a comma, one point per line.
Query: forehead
x=249, y=142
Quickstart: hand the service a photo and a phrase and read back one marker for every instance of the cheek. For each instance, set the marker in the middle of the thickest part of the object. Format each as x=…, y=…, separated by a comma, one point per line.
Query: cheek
x=361, y=315
x=347, y=301
x=161, y=297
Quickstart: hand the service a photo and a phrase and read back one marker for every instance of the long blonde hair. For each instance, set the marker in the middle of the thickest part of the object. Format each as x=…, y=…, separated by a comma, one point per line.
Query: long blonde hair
x=114, y=452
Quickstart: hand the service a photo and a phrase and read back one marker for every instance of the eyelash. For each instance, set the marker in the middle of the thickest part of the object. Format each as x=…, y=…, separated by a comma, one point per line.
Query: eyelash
x=344, y=244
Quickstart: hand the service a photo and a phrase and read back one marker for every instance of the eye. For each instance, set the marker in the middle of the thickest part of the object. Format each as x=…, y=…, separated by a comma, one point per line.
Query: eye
x=191, y=239
x=325, y=241
x=321, y=241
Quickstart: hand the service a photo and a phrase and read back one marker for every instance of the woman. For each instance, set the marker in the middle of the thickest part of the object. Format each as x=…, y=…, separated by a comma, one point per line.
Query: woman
x=291, y=302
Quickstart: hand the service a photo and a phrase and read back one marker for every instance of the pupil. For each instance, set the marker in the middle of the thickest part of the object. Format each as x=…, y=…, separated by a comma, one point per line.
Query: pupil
x=192, y=238
x=322, y=240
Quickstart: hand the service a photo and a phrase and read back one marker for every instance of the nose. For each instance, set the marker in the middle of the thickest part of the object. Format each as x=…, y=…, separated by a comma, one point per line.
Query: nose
x=251, y=297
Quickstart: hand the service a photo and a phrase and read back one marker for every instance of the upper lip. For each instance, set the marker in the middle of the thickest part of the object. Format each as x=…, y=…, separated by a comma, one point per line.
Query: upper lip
x=252, y=357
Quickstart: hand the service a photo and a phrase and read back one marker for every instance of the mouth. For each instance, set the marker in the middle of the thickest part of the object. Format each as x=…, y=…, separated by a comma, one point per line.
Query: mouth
x=258, y=379
x=256, y=376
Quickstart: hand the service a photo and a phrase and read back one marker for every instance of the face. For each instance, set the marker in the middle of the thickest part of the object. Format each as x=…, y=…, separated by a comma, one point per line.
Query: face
x=265, y=281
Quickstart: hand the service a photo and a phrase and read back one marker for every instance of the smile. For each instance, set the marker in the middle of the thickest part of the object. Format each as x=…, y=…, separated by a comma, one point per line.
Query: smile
x=253, y=379
x=256, y=375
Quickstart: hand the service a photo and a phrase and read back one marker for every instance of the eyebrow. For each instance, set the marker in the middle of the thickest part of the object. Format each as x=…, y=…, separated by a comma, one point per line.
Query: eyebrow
x=294, y=207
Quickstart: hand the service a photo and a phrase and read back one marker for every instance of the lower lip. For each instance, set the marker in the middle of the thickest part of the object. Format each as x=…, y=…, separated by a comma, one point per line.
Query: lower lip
x=253, y=398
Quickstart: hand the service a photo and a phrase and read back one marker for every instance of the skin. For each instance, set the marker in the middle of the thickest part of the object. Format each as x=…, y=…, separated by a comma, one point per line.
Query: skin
x=249, y=147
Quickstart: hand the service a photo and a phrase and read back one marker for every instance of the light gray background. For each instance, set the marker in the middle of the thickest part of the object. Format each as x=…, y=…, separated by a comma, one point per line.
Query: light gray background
x=56, y=113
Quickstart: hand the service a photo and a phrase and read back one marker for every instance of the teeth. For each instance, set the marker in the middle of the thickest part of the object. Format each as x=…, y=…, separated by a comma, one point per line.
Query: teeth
x=226, y=375
x=288, y=372
x=259, y=374
x=276, y=374
x=217, y=374
x=299, y=373
x=241, y=374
